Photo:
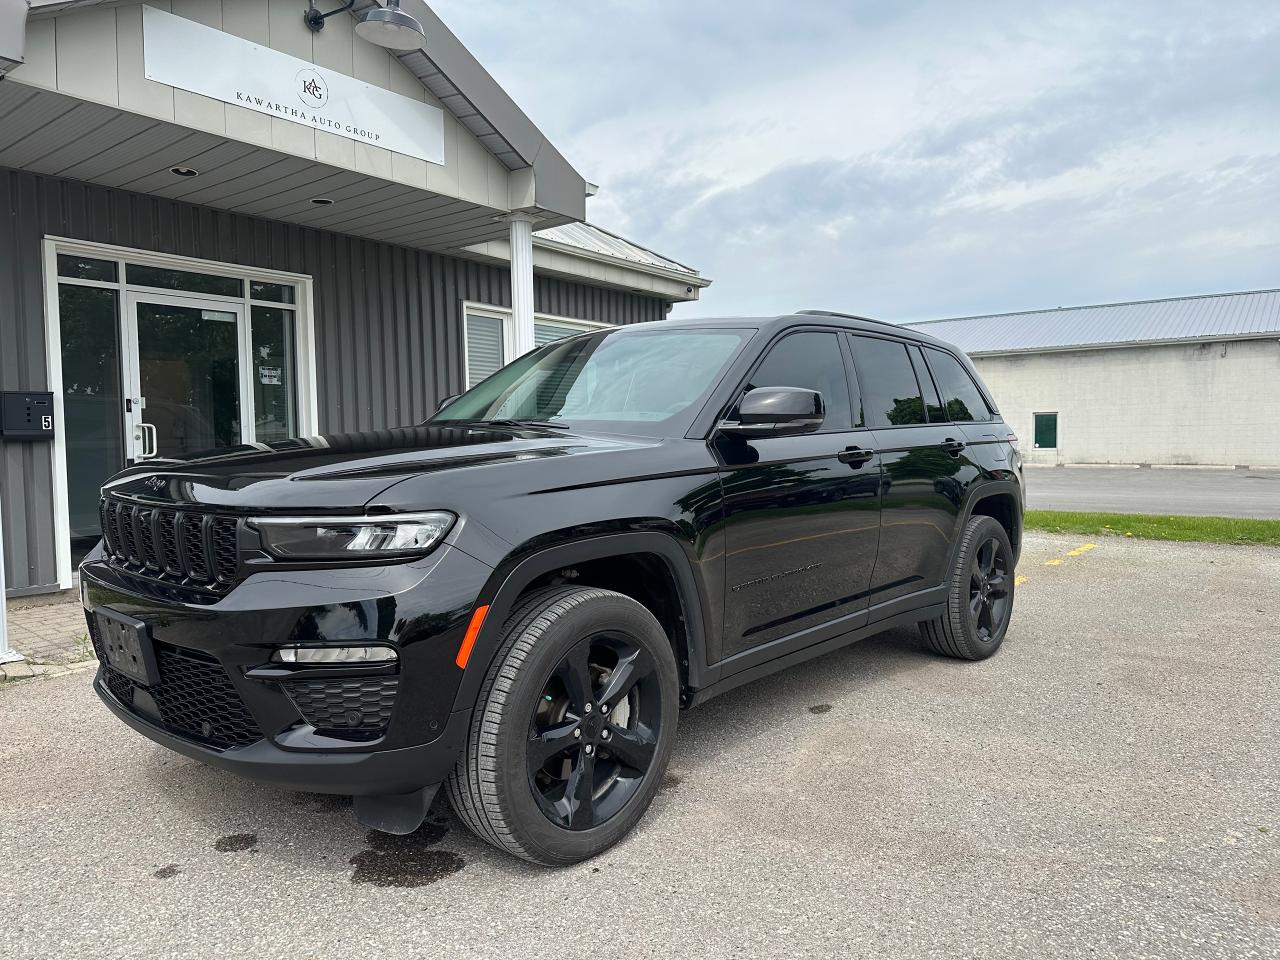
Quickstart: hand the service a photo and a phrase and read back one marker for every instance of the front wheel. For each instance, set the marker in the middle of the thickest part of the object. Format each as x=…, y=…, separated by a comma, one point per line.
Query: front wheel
x=979, y=594
x=572, y=729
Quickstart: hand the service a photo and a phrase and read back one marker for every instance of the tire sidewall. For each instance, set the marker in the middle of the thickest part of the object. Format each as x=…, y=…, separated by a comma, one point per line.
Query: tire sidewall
x=607, y=613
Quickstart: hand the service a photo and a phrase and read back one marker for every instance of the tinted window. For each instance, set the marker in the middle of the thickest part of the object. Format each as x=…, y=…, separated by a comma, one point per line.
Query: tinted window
x=931, y=401
x=811, y=361
x=963, y=399
x=890, y=394
x=649, y=382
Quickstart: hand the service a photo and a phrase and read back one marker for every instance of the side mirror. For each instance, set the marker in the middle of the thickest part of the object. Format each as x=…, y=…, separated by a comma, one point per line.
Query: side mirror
x=776, y=412
x=446, y=401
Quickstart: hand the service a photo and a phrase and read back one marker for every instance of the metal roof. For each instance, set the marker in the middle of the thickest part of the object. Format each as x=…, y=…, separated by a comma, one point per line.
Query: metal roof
x=593, y=239
x=1221, y=316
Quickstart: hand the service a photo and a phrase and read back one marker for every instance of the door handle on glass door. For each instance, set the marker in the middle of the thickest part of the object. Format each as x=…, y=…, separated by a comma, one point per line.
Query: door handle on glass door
x=150, y=441
x=855, y=456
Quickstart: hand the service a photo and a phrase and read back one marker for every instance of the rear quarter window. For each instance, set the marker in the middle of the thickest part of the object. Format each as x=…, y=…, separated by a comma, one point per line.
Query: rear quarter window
x=960, y=395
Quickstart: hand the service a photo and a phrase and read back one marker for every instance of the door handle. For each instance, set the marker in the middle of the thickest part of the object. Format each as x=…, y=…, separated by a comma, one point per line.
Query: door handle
x=855, y=456
x=952, y=446
x=150, y=441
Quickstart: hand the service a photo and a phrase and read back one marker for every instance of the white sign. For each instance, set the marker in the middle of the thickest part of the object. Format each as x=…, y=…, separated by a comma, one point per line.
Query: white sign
x=203, y=60
x=269, y=375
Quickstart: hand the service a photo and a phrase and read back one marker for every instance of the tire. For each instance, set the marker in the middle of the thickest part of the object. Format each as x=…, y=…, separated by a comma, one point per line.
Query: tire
x=976, y=620
x=532, y=698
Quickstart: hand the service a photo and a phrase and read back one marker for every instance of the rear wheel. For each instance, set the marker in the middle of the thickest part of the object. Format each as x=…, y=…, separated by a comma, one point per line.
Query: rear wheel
x=573, y=727
x=979, y=596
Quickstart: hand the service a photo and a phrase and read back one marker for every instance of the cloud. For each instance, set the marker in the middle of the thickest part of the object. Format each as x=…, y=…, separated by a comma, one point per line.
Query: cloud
x=914, y=160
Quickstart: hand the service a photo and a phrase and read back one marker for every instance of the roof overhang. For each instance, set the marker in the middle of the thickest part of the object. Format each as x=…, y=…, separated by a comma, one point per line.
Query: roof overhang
x=58, y=135
x=445, y=67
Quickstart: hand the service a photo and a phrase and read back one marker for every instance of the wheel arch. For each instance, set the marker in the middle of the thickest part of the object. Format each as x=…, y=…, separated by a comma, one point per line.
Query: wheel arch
x=1002, y=501
x=510, y=581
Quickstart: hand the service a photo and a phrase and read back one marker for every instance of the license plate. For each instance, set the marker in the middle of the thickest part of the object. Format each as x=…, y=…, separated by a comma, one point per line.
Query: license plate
x=127, y=644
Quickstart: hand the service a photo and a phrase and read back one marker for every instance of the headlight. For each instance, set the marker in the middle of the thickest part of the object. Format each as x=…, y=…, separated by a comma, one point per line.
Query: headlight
x=346, y=538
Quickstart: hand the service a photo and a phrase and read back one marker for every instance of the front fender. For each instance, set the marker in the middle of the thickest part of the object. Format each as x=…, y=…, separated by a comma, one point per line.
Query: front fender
x=522, y=568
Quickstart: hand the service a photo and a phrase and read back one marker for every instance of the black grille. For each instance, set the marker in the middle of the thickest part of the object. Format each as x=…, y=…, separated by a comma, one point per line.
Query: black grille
x=345, y=707
x=176, y=546
x=195, y=697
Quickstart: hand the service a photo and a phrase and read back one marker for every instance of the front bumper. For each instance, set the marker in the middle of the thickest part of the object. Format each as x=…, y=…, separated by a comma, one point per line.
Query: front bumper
x=219, y=699
x=363, y=773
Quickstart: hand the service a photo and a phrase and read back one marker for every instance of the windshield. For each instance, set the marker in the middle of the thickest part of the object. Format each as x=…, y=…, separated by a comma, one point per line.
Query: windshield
x=632, y=381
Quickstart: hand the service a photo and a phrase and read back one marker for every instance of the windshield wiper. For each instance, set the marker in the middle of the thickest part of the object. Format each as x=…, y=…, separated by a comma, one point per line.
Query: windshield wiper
x=521, y=422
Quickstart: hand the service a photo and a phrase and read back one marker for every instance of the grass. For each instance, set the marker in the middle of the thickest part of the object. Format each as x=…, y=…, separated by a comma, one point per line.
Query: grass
x=1205, y=529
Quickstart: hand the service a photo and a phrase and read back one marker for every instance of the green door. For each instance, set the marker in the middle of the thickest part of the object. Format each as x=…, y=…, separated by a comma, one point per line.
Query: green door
x=1046, y=431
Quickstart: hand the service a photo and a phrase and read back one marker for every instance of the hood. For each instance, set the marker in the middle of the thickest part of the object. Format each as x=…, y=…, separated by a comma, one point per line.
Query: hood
x=343, y=471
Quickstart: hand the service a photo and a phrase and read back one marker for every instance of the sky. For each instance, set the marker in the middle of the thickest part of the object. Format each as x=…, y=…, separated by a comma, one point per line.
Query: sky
x=913, y=160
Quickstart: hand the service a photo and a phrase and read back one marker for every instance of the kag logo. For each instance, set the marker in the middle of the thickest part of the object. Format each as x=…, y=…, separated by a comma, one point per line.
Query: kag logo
x=312, y=90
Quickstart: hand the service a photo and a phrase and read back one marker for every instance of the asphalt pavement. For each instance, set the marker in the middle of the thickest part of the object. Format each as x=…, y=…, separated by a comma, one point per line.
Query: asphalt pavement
x=1108, y=785
x=1183, y=490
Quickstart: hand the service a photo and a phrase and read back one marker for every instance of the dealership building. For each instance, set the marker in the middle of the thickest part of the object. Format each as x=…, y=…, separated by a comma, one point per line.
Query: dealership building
x=242, y=221
x=1190, y=380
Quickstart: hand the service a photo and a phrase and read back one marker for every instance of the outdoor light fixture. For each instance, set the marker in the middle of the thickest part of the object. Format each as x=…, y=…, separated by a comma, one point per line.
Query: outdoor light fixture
x=388, y=26
x=184, y=171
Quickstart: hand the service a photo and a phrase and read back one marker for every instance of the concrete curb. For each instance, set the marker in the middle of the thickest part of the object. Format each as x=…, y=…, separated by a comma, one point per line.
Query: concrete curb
x=25, y=670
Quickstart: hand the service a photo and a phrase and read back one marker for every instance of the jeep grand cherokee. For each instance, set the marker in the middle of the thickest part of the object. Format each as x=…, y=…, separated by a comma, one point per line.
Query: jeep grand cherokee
x=516, y=598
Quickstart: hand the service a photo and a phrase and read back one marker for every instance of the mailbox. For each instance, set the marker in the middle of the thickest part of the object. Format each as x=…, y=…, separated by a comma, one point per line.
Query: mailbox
x=26, y=415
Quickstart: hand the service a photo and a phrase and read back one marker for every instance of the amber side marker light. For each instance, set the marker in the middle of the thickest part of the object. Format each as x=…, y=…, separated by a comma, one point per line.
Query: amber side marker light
x=469, y=639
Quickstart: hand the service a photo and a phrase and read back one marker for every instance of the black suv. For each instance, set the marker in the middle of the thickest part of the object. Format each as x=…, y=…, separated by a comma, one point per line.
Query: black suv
x=515, y=598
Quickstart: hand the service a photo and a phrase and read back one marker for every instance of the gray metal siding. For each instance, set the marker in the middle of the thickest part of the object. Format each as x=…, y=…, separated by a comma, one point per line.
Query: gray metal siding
x=388, y=319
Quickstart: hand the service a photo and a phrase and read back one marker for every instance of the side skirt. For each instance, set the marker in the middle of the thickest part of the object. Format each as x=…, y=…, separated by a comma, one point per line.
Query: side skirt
x=758, y=671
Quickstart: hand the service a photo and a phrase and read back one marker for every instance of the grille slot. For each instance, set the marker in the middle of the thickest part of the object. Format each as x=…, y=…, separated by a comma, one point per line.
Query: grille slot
x=195, y=697
x=360, y=707
x=180, y=547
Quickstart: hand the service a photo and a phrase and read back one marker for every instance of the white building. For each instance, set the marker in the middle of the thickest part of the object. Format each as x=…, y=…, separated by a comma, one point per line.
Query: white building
x=1191, y=380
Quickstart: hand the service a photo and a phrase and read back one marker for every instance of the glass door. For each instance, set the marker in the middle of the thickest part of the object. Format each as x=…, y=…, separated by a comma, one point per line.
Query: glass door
x=186, y=383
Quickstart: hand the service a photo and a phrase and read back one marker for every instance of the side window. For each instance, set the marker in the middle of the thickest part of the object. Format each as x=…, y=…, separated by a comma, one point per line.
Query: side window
x=890, y=394
x=932, y=403
x=964, y=400
x=813, y=361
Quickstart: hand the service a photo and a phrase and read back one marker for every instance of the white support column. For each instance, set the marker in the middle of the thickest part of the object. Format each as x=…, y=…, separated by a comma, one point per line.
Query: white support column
x=521, y=282
x=6, y=655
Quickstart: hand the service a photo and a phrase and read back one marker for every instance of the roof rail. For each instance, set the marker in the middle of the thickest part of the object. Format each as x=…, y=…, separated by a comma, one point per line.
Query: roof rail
x=847, y=316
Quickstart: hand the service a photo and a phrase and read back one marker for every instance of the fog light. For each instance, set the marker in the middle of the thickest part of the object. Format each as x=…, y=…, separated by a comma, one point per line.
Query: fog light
x=375, y=654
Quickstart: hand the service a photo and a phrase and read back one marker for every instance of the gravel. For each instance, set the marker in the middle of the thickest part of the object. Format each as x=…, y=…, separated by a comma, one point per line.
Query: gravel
x=1106, y=786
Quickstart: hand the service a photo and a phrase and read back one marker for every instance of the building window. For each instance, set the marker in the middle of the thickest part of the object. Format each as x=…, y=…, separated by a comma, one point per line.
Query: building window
x=489, y=336
x=161, y=356
x=1045, y=433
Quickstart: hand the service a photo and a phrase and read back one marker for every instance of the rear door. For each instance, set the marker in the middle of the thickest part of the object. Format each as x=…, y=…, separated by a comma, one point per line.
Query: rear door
x=801, y=513
x=925, y=471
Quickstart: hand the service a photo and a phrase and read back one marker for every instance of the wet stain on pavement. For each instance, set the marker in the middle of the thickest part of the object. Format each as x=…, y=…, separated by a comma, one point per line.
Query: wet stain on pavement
x=164, y=873
x=408, y=861
x=820, y=708
x=235, y=842
x=670, y=781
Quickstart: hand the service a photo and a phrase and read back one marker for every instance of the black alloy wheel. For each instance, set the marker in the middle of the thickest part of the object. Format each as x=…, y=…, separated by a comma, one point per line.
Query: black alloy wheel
x=573, y=726
x=594, y=731
x=989, y=599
